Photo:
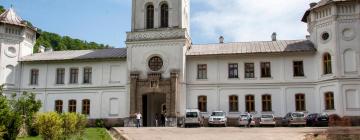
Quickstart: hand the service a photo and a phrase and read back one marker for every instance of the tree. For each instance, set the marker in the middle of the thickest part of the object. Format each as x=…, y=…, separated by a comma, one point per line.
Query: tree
x=27, y=106
x=2, y=9
x=49, y=125
x=9, y=119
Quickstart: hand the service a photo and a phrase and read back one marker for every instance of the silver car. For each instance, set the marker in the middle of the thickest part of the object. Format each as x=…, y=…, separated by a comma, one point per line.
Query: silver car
x=218, y=118
x=192, y=118
x=294, y=118
x=243, y=120
x=267, y=119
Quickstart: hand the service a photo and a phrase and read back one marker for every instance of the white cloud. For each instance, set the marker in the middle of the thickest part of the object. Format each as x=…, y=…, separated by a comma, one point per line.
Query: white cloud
x=249, y=20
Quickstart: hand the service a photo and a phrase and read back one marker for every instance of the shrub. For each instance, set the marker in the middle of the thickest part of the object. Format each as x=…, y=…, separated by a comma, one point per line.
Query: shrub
x=2, y=131
x=81, y=124
x=49, y=125
x=69, y=125
x=27, y=106
x=99, y=123
x=11, y=120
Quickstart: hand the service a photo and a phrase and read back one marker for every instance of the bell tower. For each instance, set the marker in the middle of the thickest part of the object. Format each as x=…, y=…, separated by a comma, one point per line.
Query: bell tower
x=156, y=48
x=17, y=39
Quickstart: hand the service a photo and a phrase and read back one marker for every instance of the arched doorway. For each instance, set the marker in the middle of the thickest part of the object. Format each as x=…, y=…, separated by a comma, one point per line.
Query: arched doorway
x=152, y=108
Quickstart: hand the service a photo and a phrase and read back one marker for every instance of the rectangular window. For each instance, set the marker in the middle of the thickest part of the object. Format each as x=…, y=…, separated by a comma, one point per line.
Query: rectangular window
x=266, y=103
x=202, y=103
x=249, y=70
x=265, y=69
x=300, y=102
x=74, y=72
x=298, y=68
x=72, y=106
x=60, y=76
x=34, y=77
x=202, y=71
x=233, y=70
x=87, y=75
x=250, y=103
x=233, y=103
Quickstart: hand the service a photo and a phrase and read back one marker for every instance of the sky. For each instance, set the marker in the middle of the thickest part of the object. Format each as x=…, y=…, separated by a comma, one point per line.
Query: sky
x=107, y=21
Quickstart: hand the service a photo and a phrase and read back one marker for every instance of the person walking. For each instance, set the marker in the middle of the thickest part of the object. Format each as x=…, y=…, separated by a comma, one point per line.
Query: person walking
x=249, y=120
x=138, y=119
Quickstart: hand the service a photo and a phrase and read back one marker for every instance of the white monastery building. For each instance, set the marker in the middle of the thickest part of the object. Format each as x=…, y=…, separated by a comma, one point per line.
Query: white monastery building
x=162, y=71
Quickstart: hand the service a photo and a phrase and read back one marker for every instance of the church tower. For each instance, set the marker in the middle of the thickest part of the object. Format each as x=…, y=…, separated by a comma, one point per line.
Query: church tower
x=156, y=48
x=334, y=29
x=17, y=39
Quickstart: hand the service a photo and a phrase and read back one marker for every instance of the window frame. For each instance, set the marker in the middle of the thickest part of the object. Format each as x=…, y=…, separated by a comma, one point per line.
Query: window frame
x=202, y=103
x=329, y=99
x=60, y=76
x=202, y=71
x=34, y=77
x=150, y=14
x=249, y=70
x=86, y=106
x=250, y=103
x=327, y=63
x=266, y=101
x=233, y=70
x=298, y=69
x=265, y=69
x=300, y=102
x=164, y=15
x=72, y=106
x=74, y=75
x=155, y=63
x=233, y=103
x=59, y=106
x=87, y=75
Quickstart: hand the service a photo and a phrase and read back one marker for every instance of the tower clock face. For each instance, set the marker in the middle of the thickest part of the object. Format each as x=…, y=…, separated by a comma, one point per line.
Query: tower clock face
x=155, y=63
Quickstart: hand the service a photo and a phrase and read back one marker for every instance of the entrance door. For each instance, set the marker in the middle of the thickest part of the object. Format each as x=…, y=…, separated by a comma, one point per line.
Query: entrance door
x=152, y=107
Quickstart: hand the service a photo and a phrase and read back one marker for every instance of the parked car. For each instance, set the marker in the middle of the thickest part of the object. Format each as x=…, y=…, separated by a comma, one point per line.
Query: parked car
x=192, y=118
x=294, y=118
x=267, y=119
x=243, y=120
x=317, y=119
x=218, y=118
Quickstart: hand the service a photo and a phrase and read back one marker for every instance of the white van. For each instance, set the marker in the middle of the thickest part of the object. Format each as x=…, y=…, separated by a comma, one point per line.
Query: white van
x=192, y=118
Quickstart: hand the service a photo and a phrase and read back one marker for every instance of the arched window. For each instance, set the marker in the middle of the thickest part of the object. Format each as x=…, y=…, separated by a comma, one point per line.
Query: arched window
x=86, y=107
x=327, y=63
x=59, y=106
x=202, y=103
x=300, y=102
x=266, y=103
x=150, y=16
x=233, y=103
x=72, y=106
x=164, y=15
x=329, y=101
x=250, y=103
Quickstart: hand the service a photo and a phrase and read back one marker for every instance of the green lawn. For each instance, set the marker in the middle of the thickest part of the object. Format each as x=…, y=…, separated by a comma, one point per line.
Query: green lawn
x=90, y=134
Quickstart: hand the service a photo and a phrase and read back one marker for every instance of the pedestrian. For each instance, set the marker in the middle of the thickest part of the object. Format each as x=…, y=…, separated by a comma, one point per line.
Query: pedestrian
x=249, y=119
x=162, y=118
x=138, y=119
x=157, y=120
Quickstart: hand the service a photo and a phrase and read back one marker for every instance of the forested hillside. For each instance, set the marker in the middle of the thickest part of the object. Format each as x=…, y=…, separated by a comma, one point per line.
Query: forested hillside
x=58, y=42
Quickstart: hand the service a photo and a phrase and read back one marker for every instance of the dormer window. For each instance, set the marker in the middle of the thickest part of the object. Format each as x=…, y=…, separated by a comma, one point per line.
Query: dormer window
x=164, y=15
x=150, y=16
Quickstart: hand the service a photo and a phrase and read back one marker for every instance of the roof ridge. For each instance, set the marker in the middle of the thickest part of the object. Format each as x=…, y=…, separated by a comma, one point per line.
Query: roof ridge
x=249, y=42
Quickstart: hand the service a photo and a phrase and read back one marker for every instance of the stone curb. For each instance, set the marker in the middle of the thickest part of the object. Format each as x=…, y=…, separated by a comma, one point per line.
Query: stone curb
x=118, y=135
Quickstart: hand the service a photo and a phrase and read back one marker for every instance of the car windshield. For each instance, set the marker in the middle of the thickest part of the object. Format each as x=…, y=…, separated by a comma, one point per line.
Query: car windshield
x=191, y=114
x=297, y=115
x=218, y=114
x=266, y=116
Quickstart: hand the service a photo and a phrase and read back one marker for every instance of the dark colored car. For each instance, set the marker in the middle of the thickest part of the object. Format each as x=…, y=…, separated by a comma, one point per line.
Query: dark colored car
x=317, y=119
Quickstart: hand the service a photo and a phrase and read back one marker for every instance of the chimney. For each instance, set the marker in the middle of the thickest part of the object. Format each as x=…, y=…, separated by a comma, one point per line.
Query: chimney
x=273, y=36
x=41, y=49
x=313, y=4
x=221, y=39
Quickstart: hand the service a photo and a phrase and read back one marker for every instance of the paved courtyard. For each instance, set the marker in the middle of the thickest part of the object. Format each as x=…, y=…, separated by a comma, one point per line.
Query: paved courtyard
x=228, y=133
